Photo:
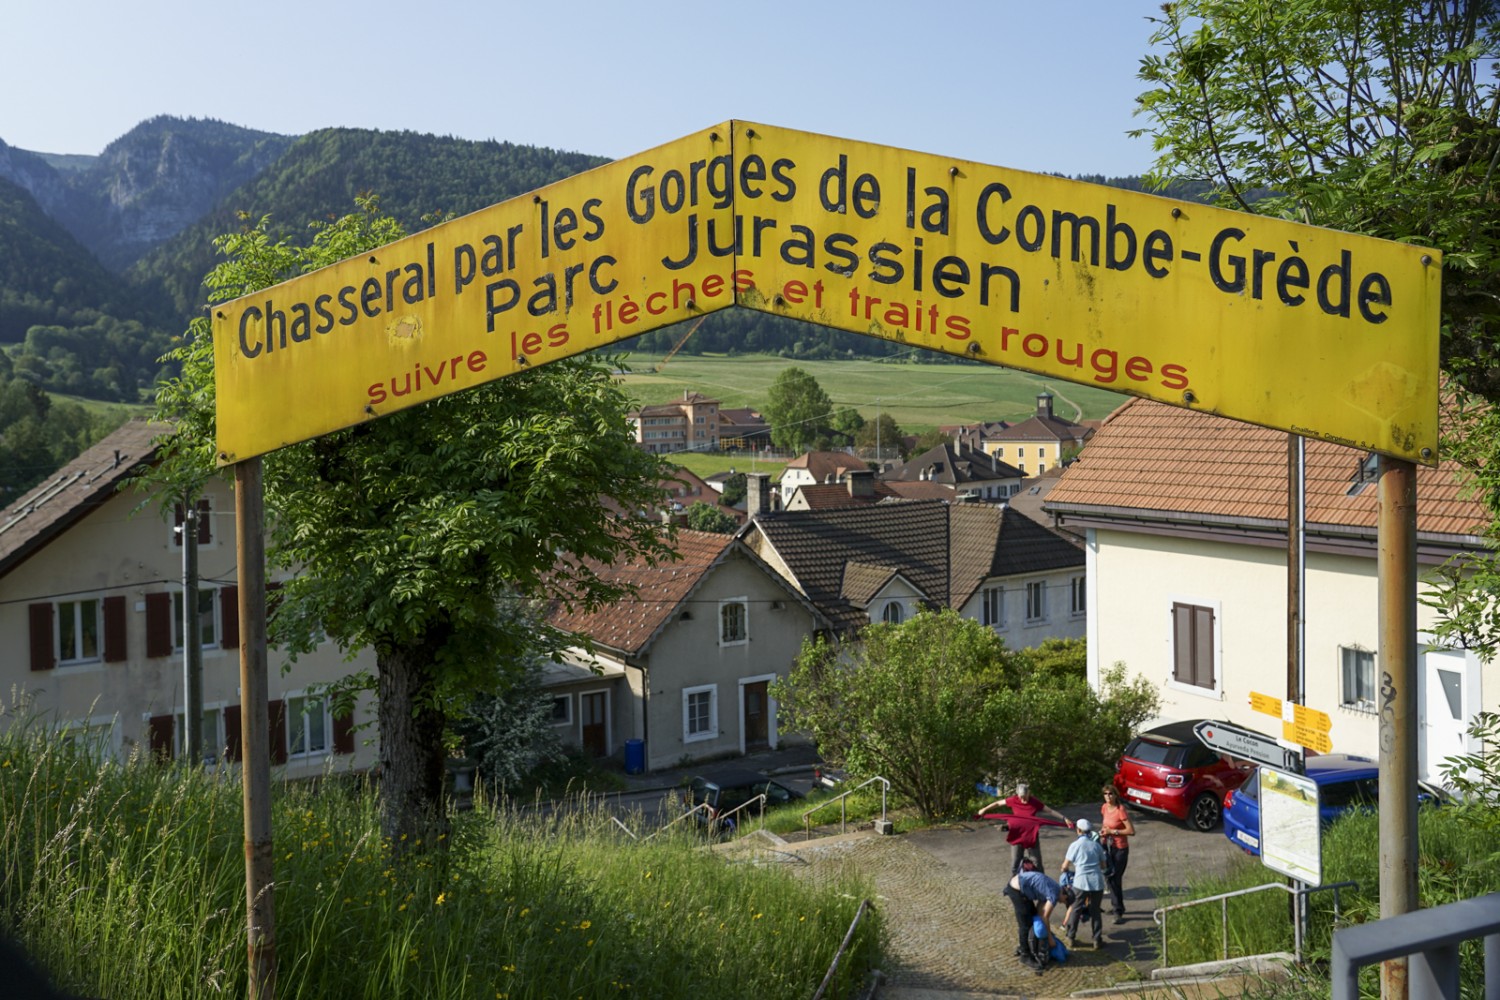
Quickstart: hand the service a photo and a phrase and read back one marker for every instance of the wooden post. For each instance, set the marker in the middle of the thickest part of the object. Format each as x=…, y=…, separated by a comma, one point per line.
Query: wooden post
x=255, y=728
x=1397, y=568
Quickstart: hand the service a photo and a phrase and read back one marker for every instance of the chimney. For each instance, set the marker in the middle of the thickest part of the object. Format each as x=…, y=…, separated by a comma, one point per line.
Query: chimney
x=757, y=493
x=1044, y=404
x=861, y=483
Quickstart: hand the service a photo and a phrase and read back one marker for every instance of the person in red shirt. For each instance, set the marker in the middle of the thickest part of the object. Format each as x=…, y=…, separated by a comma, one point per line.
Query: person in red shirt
x=1023, y=826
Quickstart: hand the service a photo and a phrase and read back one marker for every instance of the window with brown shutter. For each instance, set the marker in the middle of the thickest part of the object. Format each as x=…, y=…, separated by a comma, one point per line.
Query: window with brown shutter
x=1193, y=645
x=278, y=730
x=159, y=624
x=160, y=735
x=205, y=523
x=114, y=629
x=40, y=618
x=343, y=733
x=229, y=617
x=233, y=734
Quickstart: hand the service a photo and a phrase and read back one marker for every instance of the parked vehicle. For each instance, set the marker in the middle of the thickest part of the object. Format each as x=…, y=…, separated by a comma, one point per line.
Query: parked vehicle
x=1169, y=770
x=1344, y=782
x=726, y=789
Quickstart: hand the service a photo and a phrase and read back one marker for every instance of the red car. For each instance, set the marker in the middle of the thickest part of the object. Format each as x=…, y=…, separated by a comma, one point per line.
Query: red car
x=1169, y=770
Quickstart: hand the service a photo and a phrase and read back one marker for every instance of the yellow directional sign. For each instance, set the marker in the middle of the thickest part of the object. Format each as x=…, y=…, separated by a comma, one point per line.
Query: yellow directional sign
x=1307, y=736
x=1276, y=323
x=1307, y=718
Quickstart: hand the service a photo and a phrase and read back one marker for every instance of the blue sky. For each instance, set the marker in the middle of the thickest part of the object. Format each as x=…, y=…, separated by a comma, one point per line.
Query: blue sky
x=1043, y=86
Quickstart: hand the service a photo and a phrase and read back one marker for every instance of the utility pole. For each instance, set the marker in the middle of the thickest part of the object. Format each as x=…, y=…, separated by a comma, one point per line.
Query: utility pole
x=192, y=638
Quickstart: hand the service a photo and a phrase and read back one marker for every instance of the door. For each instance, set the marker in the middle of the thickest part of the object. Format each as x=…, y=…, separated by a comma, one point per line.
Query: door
x=1444, y=711
x=595, y=733
x=757, y=717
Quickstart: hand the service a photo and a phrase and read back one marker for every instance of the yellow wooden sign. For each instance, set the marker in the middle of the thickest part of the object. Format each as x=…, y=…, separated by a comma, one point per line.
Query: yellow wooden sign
x=1307, y=736
x=1271, y=322
x=1302, y=716
x=587, y=261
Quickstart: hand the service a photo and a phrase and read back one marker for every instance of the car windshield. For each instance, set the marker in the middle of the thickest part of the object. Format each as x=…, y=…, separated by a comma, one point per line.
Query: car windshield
x=1251, y=788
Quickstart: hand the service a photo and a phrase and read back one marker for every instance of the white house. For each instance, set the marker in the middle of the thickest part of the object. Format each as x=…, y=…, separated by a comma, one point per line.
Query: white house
x=1185, y=516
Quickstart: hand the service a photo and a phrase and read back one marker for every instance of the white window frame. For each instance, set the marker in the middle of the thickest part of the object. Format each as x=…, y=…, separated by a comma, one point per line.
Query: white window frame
x=217, y=739
x=78, y=617
x=1079, y=596
x=177, y=614
x=711, y=731
x=992, y=607
x=1036, y=601
x=98, y=733
x=567, y=702
x=1364, y=658
x=744, y=605
x=893, y=613
x=1217, y=691
x=307, y=698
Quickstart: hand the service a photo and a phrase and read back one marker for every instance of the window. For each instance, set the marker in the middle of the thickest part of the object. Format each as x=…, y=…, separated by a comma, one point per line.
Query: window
x=203, y=518
x=1020, y=452
x=1079, y=604
x=562, y=710
x=79, y=626
x=892, y=613
x=700, y=713
x=1193, y=646
x=94, y=739
x=213, y=733
x=992, y=606
x=1036, y=601
x=307, y=725
x=1358, y=672
x=734, y=624
x=204, y=620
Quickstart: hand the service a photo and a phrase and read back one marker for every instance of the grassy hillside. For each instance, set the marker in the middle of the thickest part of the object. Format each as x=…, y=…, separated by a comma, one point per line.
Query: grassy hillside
x=919, y=396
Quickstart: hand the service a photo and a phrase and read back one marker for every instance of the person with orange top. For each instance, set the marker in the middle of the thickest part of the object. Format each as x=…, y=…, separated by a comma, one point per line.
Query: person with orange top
x=1115, y=829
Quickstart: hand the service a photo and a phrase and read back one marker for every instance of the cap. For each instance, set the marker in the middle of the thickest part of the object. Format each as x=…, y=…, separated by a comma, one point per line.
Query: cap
x=1084, y=826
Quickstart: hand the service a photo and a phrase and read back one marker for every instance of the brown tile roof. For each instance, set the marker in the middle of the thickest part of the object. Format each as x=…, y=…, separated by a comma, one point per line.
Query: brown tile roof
x=921, y=489
x=1153, y=457
x=944, y=550
x=954, y=463
x=827, y=466
x=822, y=496
x=77, y=488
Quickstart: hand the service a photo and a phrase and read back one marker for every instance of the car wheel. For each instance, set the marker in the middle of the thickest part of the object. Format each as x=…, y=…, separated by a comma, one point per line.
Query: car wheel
x=1204, y=813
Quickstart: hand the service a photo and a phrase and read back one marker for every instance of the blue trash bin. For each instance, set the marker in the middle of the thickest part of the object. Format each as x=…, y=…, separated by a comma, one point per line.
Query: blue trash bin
x=635, y=756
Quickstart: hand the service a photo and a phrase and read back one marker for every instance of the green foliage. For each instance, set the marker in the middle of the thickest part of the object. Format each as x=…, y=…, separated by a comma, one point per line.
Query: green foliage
x=884, y=433
x=708, y=517
x=799, y=412
x=910, y=703
x=1055, y=730
x=39, y=434
x=406, y=533
x=734, y=489
x=145, y=863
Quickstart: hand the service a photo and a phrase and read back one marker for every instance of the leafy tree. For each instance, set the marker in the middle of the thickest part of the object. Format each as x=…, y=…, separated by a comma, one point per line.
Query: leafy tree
x=798, y=410
x=846, y=423
x=910, y=703
x=708, y=517
x=930, y=439
x=407, y=532
x=734, y=489
x=1379, y=117
x=883, y=433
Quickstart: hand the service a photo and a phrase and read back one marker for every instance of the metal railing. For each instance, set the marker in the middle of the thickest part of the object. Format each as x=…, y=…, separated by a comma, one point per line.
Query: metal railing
x=1431, y=939
x=1223, y=898
x=859, y=914
x=711, y=817
x=842, y=800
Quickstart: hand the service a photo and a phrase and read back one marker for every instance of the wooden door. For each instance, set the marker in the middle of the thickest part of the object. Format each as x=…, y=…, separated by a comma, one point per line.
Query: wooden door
x=595, y=733
x=757, y=716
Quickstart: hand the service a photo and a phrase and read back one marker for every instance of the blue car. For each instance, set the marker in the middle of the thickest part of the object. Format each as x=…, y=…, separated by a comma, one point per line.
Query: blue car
x=1344, y=782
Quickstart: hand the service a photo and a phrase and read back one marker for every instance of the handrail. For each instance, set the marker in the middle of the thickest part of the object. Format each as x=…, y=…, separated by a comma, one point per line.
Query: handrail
x=885, y=786
x=702, y=807
x=1430, y=939
x=1160, y=914
x=864, y=904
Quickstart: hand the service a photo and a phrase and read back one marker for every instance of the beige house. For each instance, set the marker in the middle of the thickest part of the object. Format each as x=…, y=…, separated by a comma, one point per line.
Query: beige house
x=682, y=668
x=688, y=424
x=1187, y=571
x=1041, y=442
x=92, y=622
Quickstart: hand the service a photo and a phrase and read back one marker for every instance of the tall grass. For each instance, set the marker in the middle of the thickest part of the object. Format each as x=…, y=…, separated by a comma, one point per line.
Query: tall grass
x=1456, y=860
x=127, y=881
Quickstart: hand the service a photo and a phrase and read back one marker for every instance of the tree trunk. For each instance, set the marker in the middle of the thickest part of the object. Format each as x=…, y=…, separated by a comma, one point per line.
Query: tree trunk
x=412, y=767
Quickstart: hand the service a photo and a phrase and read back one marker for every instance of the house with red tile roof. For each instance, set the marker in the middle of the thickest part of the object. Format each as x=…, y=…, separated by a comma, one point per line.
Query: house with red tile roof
x=92, y=622
x=684, y=664
x=688, y=424
x=813, y=467
x=1188, y=575
x=1042, y=441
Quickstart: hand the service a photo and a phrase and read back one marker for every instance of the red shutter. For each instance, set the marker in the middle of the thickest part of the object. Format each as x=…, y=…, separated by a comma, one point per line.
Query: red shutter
x=114, y=629
x=41, y=637
x=343, y=733
x=205, y=523
x=177, y=519
x=278, y=730
x=159, y=624
x=161, y=737
x=233, y=734
x=229, y=614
